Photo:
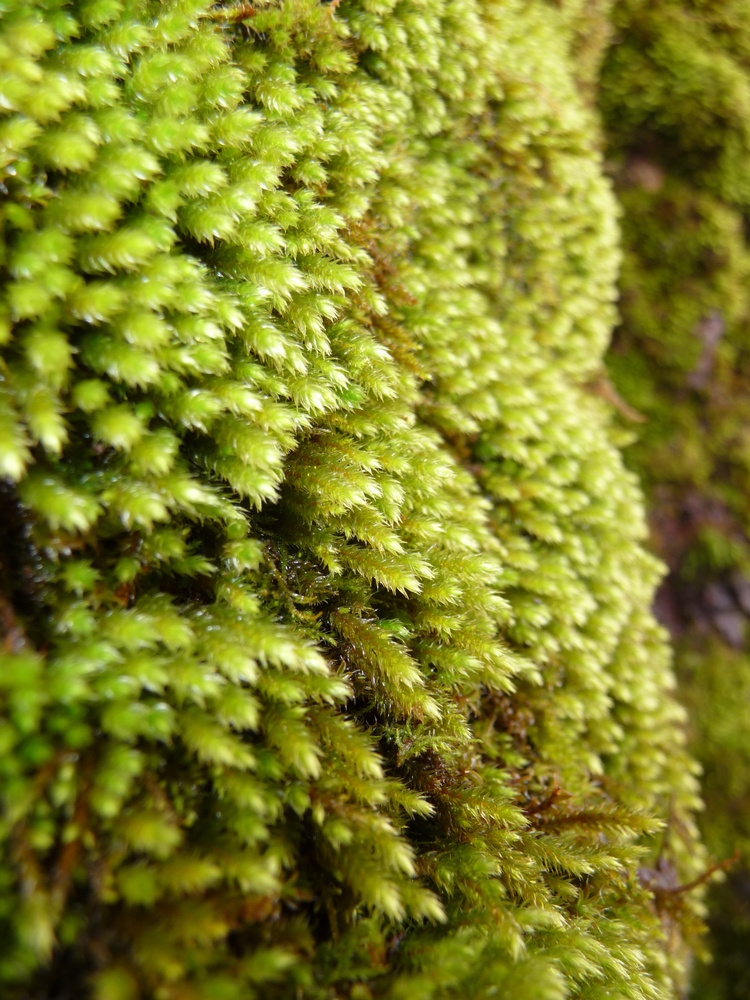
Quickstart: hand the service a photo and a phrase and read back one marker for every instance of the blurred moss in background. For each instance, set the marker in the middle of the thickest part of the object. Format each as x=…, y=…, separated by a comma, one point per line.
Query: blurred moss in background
x=675, y=97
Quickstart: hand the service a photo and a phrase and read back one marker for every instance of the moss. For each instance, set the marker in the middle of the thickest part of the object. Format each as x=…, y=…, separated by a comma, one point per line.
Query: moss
x=675, y=99
x=328, y=665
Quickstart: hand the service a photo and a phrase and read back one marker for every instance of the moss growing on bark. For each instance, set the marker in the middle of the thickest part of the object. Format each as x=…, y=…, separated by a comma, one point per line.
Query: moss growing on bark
x=675, y=91
x=328, y=665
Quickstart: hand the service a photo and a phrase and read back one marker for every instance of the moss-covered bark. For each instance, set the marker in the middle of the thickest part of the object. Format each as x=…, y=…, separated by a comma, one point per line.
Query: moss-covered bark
x=328, y=665
x=676, y=99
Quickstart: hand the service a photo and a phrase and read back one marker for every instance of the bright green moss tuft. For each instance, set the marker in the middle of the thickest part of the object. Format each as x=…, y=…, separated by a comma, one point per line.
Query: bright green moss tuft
x=328, y=665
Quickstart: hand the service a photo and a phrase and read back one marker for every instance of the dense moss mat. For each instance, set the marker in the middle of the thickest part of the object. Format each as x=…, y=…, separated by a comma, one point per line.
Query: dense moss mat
x=675, y=93
x=328, y=668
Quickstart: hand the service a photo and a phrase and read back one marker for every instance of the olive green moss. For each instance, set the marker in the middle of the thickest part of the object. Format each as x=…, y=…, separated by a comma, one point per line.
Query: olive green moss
x=328, y=668
x=589, y=26
x=675, y=92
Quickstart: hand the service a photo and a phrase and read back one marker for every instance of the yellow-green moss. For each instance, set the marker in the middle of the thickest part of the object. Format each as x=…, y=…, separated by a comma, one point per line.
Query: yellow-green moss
x=328, y=665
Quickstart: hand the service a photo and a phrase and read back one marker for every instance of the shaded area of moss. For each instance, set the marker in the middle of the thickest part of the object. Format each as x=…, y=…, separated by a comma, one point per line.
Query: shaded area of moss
x=674, y=93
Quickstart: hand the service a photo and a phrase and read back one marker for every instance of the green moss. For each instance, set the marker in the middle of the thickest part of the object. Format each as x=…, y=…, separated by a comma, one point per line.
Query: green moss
x=675, y=96
x=328, y=665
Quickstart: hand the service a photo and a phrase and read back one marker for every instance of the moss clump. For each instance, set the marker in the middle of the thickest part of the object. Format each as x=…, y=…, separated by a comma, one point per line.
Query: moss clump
x=328, y=669
x=675, y=92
